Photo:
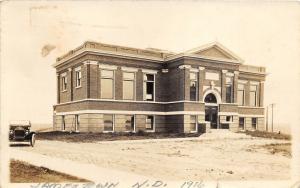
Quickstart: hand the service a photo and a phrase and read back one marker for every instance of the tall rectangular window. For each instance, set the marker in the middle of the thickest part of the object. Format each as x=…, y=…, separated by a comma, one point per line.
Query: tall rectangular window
x=241, y=95
x=193, y=123
x=77, y=122
x=129, y=123
x=128, y=85
x=242, y=123
x=229, y=90
x=64, y=83
x=253, y=95
x=108, y=122
x=78, y=78
x=254, y=123
x=63, y=123
x=107, y=84
x=150, y=123
x=149, y=84
x=193, y=86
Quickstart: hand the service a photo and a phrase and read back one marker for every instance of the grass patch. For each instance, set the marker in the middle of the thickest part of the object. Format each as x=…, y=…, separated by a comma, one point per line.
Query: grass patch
x=271, y=135
x=22, y=172
x=95, y=137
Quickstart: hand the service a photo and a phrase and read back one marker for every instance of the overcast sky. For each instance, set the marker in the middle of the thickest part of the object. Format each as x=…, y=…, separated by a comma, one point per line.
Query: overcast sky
x=261, y=34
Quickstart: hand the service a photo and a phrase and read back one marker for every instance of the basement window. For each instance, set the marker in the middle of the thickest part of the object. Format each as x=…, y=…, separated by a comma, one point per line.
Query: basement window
x=242, y=123
x=129, y=123
x=63, y=123
x=254, y=123
x=150, y=123
x=193, y=123
x=108, y=122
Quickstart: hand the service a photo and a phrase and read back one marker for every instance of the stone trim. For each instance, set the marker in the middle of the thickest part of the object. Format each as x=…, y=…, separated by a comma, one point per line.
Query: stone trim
x=130, y=101
x=194, y=70
x=110, y=67
x=149, y=71
x=184, y=67
x=129, y=69
x=131, y=112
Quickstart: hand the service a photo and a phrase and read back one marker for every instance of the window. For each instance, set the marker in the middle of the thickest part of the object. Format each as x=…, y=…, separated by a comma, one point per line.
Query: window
x=107, y=84
x=229, y=90
x=229, y=118
x=78, y=78
x=241, y=95
x=77, y=122
x=193, y=86
x=129, y=123
x=128, y=85
x=64, y=83
x=253, y=95
x=108, y=122
x=241, y=122
x=149, y=87
x=63, y=123
x=254, y=123
x=193, y=123
x=150, y=123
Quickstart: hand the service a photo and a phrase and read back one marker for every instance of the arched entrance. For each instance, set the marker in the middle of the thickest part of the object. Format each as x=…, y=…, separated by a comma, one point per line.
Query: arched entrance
x=211, y=110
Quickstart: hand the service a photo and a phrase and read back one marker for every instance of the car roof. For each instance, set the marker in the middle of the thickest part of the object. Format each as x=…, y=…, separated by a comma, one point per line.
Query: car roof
x=19, y=123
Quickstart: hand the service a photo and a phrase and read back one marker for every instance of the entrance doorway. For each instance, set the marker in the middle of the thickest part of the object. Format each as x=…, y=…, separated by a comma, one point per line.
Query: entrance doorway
x=211, y=110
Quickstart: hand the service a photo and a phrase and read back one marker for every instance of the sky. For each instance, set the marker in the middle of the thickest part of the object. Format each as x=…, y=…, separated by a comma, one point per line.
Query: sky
x=262, y=34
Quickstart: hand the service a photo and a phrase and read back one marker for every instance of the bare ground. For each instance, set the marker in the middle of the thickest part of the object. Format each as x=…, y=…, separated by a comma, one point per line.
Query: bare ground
x=22, y=172
x=209, y=157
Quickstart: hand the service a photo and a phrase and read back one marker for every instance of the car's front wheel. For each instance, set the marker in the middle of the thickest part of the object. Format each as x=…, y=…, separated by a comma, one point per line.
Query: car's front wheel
x=32, y=140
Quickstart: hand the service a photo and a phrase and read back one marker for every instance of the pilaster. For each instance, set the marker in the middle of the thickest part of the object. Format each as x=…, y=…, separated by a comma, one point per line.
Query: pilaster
x=70, y=79
x=201, y=82
x=235, y=86
x=261, y=93
x=223, y=85
x=184, y=81
x=58, y=87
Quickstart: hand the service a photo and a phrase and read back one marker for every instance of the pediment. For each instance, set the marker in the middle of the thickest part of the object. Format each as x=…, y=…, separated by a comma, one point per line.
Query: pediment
x=215, y=51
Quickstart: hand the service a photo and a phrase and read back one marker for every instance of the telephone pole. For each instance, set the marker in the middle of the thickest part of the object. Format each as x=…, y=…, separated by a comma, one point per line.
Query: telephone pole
x=272, y=105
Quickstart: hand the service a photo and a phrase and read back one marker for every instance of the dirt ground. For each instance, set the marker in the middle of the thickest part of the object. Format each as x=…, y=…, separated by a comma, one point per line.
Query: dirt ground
x=208, y=157
x=22, y=172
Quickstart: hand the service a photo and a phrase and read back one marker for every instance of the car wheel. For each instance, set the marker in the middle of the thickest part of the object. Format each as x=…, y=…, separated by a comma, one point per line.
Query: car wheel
x=32, y=140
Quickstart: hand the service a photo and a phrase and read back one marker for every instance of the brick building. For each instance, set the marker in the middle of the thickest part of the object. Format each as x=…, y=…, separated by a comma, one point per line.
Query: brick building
x=109, y=88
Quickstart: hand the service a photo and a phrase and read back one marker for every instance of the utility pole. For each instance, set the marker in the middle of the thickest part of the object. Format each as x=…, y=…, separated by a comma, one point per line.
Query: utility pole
x=273, y=104
x=267, y=118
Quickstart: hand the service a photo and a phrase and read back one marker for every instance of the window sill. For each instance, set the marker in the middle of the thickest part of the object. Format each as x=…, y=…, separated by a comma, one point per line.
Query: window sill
x=108, y=131
x=150, y=131
x=129, y=131
x=77, y=87
x=64, y=91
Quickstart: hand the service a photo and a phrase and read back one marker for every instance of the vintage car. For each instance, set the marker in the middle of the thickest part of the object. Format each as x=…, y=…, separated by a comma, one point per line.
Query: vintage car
x=19, y=131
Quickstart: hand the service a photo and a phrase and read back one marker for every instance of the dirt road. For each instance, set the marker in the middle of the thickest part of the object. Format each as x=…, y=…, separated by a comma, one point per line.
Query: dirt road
x=209, y=157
